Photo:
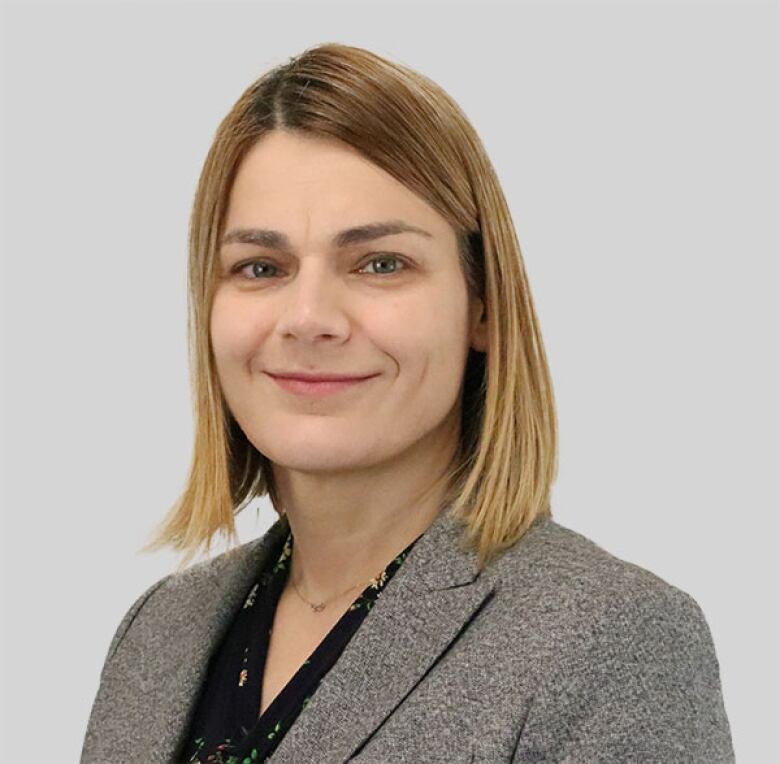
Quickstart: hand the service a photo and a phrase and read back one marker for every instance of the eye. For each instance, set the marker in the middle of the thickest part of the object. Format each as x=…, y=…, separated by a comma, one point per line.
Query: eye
x=257, y=264
x=386, y=258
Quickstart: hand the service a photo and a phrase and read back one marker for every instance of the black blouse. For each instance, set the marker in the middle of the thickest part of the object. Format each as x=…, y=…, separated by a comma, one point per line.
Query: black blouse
x=225, y=727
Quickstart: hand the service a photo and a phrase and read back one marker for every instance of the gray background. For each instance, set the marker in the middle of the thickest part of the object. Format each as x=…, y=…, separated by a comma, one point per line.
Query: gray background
x=637, y=146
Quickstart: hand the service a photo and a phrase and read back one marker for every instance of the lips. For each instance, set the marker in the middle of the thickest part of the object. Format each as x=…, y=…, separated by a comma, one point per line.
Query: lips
x=323, y=377
x=319, y=387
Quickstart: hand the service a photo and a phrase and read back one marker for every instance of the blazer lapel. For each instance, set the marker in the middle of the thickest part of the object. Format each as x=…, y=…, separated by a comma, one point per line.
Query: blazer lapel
x=196, y=619
x=420, y=612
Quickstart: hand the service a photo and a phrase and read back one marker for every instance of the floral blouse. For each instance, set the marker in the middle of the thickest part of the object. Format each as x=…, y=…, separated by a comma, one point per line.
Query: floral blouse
x=225, y=727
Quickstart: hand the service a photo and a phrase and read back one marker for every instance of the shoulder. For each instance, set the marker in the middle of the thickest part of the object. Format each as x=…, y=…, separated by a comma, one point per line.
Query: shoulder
x=183, y=591
x=569, y=566
x=579, y=595
x=623, y=661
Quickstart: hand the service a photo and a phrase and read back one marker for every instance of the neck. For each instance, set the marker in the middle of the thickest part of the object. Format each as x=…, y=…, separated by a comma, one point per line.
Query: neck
x=346, y=534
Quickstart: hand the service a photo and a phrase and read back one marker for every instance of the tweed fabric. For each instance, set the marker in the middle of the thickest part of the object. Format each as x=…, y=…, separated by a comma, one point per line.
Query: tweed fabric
x=557, y=652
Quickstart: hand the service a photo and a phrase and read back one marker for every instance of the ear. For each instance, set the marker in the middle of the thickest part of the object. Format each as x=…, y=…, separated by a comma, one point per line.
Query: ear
x=478, y=338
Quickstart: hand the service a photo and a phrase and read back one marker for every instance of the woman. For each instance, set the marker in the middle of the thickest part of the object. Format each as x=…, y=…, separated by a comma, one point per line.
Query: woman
x=414, y=600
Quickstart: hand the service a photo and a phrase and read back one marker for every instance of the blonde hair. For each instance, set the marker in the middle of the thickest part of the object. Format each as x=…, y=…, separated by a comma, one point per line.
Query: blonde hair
x=500, y=479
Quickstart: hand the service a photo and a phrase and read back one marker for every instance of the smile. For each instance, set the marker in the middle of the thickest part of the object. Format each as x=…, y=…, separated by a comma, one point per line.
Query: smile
x=317, y=389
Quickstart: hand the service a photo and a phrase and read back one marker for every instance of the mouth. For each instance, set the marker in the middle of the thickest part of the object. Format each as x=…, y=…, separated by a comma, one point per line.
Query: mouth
x=318, y=388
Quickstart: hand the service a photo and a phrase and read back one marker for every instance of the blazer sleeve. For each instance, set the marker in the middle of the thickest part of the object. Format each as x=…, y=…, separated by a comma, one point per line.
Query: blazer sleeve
x=643, y=686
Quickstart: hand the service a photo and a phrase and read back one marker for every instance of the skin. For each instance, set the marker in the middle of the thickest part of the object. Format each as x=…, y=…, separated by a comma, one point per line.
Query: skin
x=360, y=471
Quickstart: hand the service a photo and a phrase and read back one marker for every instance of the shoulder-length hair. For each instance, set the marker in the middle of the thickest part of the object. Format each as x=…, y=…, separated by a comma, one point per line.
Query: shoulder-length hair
x=500, y=478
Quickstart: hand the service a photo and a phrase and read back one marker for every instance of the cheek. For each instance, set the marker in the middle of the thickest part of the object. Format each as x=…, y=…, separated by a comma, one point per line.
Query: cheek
x=428, y=347
x=234, y=330
x=449, y=347
x=435, y=327
x=223, y=339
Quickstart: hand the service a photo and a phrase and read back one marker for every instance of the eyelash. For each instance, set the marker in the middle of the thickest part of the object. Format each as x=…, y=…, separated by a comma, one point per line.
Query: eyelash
x=240, y=266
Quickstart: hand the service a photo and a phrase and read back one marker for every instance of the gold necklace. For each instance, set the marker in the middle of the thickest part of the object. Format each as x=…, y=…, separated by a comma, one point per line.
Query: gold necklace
x=318, y=606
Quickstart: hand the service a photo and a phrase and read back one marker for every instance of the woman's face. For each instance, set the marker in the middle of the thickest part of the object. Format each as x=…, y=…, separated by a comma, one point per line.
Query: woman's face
x=302, y=300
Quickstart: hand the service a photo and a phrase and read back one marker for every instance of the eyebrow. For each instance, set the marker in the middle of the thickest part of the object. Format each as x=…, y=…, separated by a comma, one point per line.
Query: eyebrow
x=266, y=237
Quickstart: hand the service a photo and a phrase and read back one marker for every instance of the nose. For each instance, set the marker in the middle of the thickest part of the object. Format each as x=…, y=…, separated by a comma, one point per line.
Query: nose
x=312, y=305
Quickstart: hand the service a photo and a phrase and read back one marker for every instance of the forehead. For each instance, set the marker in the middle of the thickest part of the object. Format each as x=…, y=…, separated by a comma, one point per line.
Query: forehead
x=299, y=183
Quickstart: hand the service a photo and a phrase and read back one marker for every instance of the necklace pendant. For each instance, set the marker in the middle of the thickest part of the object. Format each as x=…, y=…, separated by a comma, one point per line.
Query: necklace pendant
x=317, y=608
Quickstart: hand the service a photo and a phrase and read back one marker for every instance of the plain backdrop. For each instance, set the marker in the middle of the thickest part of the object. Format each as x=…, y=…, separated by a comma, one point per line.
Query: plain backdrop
x=637, y=145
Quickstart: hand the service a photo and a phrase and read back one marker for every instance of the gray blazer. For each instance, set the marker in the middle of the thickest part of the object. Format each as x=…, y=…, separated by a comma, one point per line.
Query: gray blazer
x=557, y=652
